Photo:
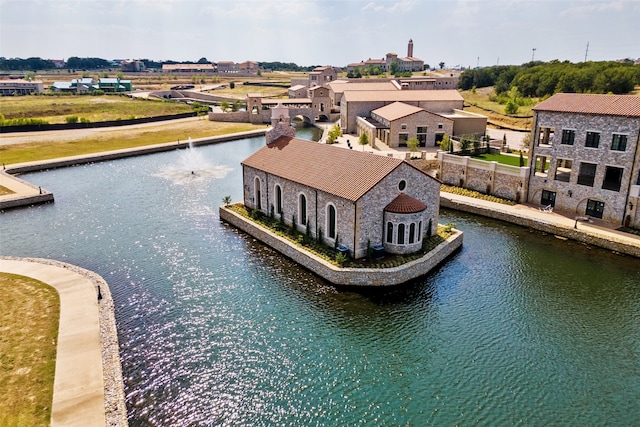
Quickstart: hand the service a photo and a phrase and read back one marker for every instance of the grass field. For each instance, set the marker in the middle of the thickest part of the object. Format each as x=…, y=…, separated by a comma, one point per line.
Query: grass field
x=502, y=158
x=29, y=313
x=55, y=109
x=115, y=138
x=480, y=103
x=4, y=191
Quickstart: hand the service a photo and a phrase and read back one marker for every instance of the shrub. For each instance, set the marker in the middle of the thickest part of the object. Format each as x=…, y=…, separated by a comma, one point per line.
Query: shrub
x=71, y=119
x=341, y=258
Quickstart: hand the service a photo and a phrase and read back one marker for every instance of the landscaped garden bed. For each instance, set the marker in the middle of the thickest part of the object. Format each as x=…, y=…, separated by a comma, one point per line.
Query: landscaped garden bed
x=331, y=254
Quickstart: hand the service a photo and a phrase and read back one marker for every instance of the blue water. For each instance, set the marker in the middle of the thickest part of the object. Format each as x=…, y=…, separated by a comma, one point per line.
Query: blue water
x=217, y=329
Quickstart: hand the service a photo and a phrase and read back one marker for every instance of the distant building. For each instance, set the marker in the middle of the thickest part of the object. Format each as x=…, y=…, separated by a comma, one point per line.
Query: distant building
x=585, y=156
x=188, y=68
x=115, y=85
x=408, y=63
x=20, y=87
x=133, y=66
x=83, y=85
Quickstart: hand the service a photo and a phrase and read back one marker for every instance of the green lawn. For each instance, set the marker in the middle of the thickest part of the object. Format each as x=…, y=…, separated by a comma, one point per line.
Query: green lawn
x=55, y=109
x=29, y=315
x=505, y=159
x=115, y=139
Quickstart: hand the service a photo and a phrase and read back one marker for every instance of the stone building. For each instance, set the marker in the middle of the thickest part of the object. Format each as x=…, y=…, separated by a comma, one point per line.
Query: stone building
x=397, y=123
x=10, y=87
x=587, y=156
x=352, y=199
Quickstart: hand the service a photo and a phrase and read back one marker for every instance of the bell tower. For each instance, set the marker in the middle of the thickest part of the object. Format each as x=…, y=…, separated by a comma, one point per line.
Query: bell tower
x=280, y=124
x=410, y=49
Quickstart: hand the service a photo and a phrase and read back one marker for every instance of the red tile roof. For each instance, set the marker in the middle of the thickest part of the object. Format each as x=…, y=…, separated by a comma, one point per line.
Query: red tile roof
x=344, y=173
x=405, y=204
x=607, y=105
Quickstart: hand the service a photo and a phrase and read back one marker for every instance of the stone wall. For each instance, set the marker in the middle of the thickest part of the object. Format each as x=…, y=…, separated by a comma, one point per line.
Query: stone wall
x=508, y=182
x=347, y=276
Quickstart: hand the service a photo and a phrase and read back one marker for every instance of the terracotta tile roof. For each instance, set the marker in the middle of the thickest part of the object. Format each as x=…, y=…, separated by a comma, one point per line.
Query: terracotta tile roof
x=405, y=204
x=608, y=105
x=344, y=173
x=396, y=110
x=343, y=86
x=403, y=95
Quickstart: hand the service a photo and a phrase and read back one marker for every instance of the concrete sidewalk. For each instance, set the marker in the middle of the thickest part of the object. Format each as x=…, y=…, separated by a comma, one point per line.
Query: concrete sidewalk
x=564, y=224
x=79, y=385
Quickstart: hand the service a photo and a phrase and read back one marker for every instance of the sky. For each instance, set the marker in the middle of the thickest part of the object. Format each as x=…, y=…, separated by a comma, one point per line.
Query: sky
x=465, y=33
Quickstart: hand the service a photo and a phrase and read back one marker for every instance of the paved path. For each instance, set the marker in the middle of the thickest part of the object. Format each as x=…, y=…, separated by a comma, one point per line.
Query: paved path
x=79, y=385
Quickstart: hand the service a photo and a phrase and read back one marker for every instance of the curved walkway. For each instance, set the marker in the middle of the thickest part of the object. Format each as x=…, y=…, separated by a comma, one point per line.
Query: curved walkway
x=88, y=389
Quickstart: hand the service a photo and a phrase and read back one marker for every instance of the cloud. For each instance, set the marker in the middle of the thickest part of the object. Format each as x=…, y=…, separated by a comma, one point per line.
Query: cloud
x=590, y=8
x=400, y=6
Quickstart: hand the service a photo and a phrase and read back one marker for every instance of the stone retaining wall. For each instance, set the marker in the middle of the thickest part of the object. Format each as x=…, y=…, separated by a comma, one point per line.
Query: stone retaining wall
x=580, y=235
x=346, y=276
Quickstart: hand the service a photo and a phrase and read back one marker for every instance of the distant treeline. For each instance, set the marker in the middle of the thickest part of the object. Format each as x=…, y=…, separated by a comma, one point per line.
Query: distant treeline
x=540, y=79
x=75, y=63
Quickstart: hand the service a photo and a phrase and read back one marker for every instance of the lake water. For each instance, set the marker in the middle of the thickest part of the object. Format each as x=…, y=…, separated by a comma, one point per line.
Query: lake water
x=217, y=329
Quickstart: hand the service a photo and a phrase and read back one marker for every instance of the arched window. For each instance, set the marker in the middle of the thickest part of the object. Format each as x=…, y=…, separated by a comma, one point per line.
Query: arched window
x=389, y=232
x=412, y=232
x=302, y=209
x=257, y=193
x=401, y=234
x=278, y=199
x=331, y=222
x=419, y=231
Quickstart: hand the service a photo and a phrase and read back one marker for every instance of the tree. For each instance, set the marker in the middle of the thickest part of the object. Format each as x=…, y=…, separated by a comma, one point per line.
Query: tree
x=393, y=68
x=226, y=200
x=446, y=143
x=363, y=140
x=521, y=159
x=413, y=144
x=224, y=105
x=203, y=60
x=441, y=64
x=333, y=134
x=236, y=105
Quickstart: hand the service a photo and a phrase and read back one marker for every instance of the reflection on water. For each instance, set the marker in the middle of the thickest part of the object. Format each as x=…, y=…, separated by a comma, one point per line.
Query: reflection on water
x=217, y=329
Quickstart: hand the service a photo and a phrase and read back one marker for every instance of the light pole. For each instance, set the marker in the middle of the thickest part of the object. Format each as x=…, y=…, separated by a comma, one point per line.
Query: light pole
x=533, y=54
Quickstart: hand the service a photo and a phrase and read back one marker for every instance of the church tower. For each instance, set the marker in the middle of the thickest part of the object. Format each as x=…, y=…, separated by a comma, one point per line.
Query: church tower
x=410, y=49
x=280, y=124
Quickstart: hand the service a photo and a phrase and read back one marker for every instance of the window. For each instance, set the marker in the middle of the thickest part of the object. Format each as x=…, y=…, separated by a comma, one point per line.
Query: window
x=403, y=126
x=619, y=142
x=389, y=232
x=542, y=166
x=331, y=218
x=412, y=232
x=402, y=185
x=302, y=209
x=421, y=135
x=563, y=170
x=419, y=231
x=257, y=193
x=401, y=234
x=548, y=198
x=568, y=136
x=587, y=174
x=440, y=126
x=545, y=136
x=612, y=178
x=593, y=140
x=278, y=199
x=402, y=139
x=594, y=208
